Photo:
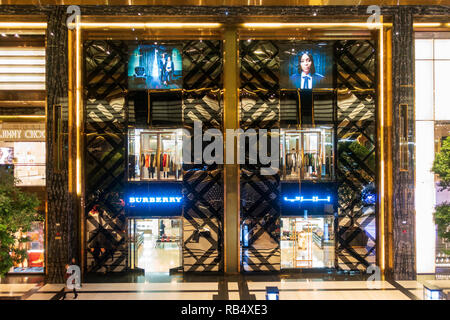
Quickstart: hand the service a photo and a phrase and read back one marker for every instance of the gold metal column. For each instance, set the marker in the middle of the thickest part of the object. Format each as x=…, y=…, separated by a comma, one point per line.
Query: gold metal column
x=384, y=128
x=388, y=166
x=231, y=176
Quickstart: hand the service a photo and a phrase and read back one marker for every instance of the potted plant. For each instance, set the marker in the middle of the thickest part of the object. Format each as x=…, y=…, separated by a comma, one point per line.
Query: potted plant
x=17, y=212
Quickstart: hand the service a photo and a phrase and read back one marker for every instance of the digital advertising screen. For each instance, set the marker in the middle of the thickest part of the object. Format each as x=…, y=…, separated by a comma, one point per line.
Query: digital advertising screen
x=306, y=65
x=154, y=66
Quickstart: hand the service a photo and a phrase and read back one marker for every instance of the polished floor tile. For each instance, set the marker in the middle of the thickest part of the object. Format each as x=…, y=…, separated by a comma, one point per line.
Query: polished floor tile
x=15, y=291
x=237, y=288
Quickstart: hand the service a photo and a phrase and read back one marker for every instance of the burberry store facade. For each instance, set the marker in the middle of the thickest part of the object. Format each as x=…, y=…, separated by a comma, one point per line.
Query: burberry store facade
x=126, y=85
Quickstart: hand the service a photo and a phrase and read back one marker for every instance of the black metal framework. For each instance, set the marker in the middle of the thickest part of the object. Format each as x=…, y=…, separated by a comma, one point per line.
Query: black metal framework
x=259, y=109
x=260, y=195
x=356, y=153
x=106, y=122
x=105, y=143
x=203, y=192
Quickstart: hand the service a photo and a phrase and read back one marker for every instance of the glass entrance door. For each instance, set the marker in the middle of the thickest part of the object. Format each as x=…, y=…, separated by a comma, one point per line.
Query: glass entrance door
x=155, y=244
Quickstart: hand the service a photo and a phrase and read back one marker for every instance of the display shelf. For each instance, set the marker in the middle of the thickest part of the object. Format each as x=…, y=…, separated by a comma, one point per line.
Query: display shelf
x=318, y=240
x=139, y=239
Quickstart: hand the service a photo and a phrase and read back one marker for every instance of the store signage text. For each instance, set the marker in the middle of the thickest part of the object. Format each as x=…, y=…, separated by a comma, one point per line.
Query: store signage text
x=19, y=134
x=302, y=199
x=152, y=200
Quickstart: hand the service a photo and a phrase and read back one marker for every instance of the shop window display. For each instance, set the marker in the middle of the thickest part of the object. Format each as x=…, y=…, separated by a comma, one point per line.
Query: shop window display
x=307, y=242
x=34, y=263
x=155, y=154
x=22, y=147
x=307, y=154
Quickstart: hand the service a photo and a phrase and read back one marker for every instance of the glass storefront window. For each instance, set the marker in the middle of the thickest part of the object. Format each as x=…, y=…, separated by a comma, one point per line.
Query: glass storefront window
x=155, y=154
x=432, y=114
x=307, y=154
x=307, y=242
x=35, y=250
x=22, y=147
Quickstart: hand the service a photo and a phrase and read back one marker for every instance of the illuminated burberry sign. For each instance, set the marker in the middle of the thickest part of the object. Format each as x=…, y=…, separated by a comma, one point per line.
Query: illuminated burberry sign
x=154, y=200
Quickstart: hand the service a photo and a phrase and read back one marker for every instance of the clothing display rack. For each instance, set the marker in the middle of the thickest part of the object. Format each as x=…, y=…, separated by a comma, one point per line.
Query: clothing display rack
x=158, y=158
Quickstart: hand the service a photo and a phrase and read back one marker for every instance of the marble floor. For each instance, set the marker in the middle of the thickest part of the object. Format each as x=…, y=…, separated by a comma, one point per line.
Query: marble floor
x=320, y=257
x=158, y=256
x=239, y=287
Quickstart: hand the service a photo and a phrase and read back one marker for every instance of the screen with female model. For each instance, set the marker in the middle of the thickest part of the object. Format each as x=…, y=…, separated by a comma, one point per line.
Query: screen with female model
x=306, y=65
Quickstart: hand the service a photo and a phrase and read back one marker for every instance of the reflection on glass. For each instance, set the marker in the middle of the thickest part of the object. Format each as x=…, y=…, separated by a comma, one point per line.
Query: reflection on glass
x=27, y=159
x=424, y=49
x=34, y=248
x=442, y=94
x=307, y=154
x=155, y=154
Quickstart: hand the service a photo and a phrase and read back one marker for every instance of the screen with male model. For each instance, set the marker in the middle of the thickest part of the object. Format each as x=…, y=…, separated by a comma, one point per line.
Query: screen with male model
x=306, y=65
x=154, y=66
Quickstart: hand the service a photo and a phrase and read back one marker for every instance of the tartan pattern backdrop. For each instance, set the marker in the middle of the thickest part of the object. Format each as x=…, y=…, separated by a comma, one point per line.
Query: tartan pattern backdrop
x=105, y=101
x=356, y=153
x=202, y=184
x=260, y=194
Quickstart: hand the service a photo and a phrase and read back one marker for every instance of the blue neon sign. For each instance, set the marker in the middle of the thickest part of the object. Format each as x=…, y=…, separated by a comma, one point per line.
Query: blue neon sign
x=302, y=199
x=154, y=200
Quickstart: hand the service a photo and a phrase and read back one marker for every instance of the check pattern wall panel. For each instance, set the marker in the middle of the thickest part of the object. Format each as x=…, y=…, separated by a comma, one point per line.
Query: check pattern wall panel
x=356, y=154
x=202, y=184
x=259, y=109
x=105, y=125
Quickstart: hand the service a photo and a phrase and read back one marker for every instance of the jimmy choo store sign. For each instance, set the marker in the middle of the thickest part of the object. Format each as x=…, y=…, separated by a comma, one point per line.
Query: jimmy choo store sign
x=22, y=134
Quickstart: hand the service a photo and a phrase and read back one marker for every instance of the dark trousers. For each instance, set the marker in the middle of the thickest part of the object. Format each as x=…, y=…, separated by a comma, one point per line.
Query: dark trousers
x=74, y=293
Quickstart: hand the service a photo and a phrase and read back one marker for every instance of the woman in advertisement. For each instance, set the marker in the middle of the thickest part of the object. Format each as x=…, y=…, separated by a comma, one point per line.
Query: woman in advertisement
x=306, y=78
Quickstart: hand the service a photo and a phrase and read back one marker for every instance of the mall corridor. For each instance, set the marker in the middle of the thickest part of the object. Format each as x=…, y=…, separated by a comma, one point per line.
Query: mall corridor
x=242, y=287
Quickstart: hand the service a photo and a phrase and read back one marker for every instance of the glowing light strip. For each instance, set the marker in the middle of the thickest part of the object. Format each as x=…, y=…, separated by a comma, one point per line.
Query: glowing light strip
x=15, y=51
x=22, y=61
x=312, y=24
x=154, y=199
x=14, y=78
x=382, y=188
x=21, y=69
x=427, y=24
x=23, y=117
x=78, y=102
x=24, y=25
x=302, y=199
x=144, y=25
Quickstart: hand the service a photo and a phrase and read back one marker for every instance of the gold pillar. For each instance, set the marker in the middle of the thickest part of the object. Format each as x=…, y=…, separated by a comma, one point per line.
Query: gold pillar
x=389, y=245
x=384, y=128
x=231, y=179
x=76, y=129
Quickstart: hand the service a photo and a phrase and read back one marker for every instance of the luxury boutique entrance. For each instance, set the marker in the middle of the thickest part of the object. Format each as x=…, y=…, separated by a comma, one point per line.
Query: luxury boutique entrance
x=155, y=244
x=307, y=242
